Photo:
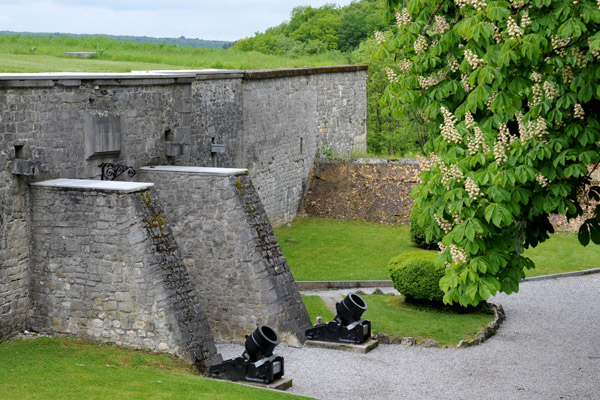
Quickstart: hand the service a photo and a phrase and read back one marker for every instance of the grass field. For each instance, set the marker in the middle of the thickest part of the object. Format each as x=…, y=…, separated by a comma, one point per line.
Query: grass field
x=319, y=249
x=61, y=368
x=45, y=54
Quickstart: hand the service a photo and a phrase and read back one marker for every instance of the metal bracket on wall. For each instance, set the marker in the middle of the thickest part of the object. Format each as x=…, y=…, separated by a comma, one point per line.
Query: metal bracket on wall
x=110, y=171
x=215, y=149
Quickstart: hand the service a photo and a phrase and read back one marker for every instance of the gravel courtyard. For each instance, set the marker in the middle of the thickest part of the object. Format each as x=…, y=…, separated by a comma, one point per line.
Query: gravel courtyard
x=547, y=348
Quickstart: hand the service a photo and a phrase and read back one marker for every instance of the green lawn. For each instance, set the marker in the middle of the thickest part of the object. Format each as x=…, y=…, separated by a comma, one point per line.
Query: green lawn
x=562, y=253
x=393, y=316
x=316, y=307
x=60, y=368
x=320, y=249
x=34, y=63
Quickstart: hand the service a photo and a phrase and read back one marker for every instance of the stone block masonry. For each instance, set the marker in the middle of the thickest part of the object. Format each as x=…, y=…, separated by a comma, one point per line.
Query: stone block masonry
x=287, y=121
x=105, y=266
x=230, y=251
x=64, y=125
x=374, y=190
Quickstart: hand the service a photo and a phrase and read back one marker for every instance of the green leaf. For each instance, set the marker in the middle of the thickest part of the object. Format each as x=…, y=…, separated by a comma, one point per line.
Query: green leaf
x=415, y=6
x=472, y=290
x=498, y=194
x=583, y=235
x=498, y=214
x=458, y=233
x=524, y=173
x=496, y=12
x=595, y=233
x=586, y=92
x=587, y=157
x=480, y=264
x=575, y=170
x=484, y=292
x=560, y=159
x=521, y=195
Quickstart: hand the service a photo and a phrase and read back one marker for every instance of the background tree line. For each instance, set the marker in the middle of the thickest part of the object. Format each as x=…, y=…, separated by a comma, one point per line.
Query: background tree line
x=180, y=41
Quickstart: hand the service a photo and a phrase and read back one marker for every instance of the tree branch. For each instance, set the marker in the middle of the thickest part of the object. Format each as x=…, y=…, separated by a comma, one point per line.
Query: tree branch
x=431, y=18
x=520, y=236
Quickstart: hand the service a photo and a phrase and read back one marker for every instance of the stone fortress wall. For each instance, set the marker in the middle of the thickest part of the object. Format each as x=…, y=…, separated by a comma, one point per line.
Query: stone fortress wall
x=65, y=125
x=109, y=268
x=230, y=251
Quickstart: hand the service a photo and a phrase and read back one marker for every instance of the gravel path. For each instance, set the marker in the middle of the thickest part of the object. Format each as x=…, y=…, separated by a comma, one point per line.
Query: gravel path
x=548, y=348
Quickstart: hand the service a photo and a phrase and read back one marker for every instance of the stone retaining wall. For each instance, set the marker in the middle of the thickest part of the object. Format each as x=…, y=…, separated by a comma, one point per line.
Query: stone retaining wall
x=231, y=253
x=64, y=125
x=374, y=190
x=105, y=266
x=378, y=190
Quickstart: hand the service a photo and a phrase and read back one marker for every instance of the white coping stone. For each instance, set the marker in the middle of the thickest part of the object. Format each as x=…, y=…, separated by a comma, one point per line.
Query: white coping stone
x=92, y=184
x=190, y=73
x=197, y=170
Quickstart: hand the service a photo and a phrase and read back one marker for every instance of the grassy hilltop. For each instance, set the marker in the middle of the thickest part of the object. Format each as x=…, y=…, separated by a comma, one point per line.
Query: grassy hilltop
x=45, y=54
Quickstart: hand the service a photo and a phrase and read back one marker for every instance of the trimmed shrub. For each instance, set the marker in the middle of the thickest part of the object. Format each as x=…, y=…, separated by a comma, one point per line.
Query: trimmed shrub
x=417, y=231
x=415, y=275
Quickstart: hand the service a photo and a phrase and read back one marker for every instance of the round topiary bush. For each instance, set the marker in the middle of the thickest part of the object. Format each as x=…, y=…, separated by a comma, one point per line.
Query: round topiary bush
x=416, y=276
x=417, y=231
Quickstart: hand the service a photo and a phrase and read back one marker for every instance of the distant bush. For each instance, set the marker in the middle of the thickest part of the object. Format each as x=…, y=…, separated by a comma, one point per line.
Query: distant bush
x=417, y=231
x=416, y=276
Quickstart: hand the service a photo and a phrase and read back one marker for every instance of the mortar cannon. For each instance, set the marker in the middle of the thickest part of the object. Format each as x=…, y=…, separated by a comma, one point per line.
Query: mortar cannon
x=257, y=363
x=347, y=326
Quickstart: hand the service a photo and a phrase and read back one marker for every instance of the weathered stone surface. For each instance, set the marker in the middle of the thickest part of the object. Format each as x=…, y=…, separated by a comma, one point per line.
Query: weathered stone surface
x=157, y=309
x=279, y=384
x=363, y=348
x=378, y=192
x=102, y=134
x=382, y=338
x=80, y=54
x=272, y=124
x=231, y=252
x=396, y=340
x=24, y=167
x=429, y=343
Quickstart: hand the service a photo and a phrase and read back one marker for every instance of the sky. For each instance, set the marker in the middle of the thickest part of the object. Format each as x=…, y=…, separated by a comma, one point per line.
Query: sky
x=210, y=20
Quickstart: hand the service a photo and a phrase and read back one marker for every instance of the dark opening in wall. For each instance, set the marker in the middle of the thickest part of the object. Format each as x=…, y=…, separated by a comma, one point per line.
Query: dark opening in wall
x=168, y=135
x=19, y=151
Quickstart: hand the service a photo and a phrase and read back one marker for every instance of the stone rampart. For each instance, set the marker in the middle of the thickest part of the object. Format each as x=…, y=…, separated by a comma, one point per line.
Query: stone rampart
x=64, y=125
x=273, y=123
x=230, y=251
x=105, y=266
